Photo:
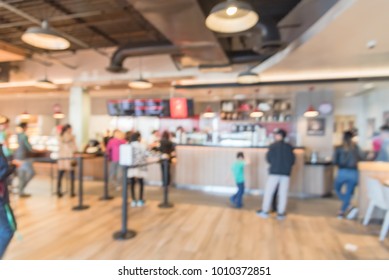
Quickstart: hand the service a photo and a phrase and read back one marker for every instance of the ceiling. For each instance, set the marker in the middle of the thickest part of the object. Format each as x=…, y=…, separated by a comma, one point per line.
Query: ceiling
x=340, y=48
x=274, y=9
x=96, y=23
x=328, y=51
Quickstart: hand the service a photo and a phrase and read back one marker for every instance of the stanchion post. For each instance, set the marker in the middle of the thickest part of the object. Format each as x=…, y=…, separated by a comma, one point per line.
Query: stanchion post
x=124, y=233
x=165, y=182
x=106, y=195
x=80, y=186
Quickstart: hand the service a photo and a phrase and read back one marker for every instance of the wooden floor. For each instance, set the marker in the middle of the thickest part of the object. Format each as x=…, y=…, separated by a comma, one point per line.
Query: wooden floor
x=200, y=226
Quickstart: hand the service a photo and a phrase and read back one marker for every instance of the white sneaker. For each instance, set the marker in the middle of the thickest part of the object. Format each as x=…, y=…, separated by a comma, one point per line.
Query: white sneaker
x=133, y=203
x=352, y=214
x=140, y=203
x=262, y=214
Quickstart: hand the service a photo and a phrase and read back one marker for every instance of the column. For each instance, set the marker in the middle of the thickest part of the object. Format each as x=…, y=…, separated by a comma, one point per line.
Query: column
x=79, y=114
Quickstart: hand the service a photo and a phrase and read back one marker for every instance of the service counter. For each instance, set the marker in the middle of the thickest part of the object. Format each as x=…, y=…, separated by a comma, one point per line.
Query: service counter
x=370, y=169
x=206, y=167
x=318, y=179
x=209, y=168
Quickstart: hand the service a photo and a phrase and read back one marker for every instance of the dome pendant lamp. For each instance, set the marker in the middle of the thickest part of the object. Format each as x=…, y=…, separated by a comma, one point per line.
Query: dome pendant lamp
x=311, y=111
x=44, y=37
x=231, y=16
x=248, y=77
x=140, y=83
x=45, y=83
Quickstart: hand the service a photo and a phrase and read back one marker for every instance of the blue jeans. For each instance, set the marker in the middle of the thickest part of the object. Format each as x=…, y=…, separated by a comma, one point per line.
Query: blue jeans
x=6, y=232
x=237, y=199
x=25, y=173
x=349, y=178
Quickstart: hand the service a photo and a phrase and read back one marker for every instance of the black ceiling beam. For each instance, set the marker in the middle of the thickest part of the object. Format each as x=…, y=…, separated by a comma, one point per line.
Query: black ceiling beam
x=286, y=83
x=94, y=29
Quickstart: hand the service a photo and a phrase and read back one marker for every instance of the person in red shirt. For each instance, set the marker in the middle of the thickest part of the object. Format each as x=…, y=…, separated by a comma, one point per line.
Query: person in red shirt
x=113, y=154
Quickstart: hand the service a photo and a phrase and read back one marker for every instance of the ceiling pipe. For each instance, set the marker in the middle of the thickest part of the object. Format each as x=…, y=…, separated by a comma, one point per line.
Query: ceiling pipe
x=39, y=22
x=116, y=64
x=270, y=36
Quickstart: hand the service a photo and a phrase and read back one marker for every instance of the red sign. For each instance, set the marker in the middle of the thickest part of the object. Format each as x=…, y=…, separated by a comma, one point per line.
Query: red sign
x=178, y=108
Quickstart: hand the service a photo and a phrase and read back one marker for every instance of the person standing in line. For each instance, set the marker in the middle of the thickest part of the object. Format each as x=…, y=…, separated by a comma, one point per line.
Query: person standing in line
x=67, y=148
x=346, y=158
x=138, y=173
x=238, y=168
x=166, y=147
x=25, y=170
x=154, y=140
x=4, y=137
x=7, y=220
x=281, y=159
x=113, y=154
x=383, y=154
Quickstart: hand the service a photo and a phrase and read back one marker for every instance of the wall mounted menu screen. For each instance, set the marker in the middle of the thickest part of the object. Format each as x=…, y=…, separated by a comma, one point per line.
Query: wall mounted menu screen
x=139, y=107
x=114, y=108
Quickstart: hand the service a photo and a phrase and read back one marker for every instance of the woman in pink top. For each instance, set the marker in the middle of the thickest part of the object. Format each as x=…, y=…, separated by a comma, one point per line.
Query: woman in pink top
x=112, y=151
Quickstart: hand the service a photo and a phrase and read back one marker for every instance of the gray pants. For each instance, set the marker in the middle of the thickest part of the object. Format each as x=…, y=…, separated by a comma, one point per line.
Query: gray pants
x=115, y=173
x=271, y=185
x=25, y=173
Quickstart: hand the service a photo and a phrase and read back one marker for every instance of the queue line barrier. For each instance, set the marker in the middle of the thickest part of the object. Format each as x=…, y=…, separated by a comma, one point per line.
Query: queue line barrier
x=124, y=233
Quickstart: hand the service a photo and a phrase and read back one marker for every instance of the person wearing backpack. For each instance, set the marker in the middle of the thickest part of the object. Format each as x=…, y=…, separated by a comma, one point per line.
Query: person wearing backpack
x=7, y=220
x=346, y=158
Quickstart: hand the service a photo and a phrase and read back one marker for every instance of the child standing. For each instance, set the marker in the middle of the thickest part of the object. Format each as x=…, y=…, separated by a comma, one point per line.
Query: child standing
x=238, y=172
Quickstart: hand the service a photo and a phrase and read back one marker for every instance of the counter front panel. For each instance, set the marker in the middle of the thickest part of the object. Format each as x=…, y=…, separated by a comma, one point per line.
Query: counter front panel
x=211, y=166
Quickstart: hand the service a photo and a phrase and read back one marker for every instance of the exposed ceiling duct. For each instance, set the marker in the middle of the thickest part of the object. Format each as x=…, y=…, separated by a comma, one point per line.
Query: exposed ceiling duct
x=116, y=65
x=187, y=29
x=270, y=38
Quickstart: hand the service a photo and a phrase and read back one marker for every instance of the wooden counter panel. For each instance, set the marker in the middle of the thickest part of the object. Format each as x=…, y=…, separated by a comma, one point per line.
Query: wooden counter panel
x=211, y=166
x=375, y=166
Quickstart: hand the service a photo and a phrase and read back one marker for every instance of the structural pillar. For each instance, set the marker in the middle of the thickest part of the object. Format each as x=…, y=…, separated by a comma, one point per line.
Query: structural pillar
x=79, y=114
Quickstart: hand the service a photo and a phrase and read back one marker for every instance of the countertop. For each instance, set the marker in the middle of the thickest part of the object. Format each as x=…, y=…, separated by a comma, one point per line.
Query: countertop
x=319, y=163
x=222, y=146
x=378, y=166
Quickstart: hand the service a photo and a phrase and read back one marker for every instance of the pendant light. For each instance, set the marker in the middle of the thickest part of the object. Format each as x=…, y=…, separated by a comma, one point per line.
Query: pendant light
x=248, y=77
x=231, y=16
x=311, y=111
x=45, y=83
x=57, y=112
x=140, y=83
x=44, y=37
x=25, y=116
x=209, y=113
x=3, y=119
x=256, y=114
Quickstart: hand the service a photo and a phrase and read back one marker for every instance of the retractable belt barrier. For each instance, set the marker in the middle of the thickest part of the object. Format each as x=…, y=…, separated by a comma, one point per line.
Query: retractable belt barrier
x=80, y=161
x=106, y=195
x=126, y=233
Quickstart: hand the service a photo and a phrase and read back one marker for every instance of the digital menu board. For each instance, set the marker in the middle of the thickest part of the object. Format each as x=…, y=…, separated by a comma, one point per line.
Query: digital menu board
x=175, y=107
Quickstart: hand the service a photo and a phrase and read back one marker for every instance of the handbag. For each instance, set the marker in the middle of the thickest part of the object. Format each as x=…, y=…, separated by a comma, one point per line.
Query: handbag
x=73, y=163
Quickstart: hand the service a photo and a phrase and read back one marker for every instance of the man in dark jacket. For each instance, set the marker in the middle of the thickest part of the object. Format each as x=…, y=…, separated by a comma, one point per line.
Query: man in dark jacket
x=281, y=159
